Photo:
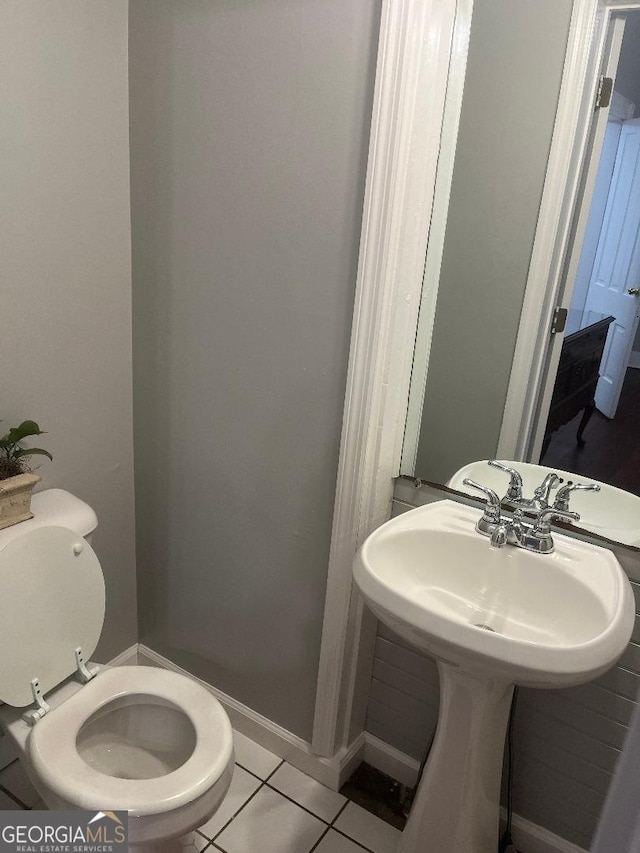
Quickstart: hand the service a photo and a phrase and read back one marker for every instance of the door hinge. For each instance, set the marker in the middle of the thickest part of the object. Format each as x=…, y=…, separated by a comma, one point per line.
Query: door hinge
x=605, y=90
x=559, y=320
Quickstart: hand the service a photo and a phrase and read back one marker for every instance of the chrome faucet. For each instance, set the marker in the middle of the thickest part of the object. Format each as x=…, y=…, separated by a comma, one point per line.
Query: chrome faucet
x=514, y=495
x=502, y=530
x=562, y=498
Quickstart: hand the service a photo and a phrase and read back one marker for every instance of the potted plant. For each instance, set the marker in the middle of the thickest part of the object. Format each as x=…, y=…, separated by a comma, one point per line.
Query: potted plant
x=16, y=477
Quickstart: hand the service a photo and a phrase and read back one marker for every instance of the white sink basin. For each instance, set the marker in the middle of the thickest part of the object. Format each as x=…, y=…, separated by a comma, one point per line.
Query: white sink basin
x=611, y=512
x=538, y=620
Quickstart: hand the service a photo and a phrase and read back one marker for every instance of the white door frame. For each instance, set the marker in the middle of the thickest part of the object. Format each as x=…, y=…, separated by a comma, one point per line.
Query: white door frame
x=562, y=183
x=411, y=82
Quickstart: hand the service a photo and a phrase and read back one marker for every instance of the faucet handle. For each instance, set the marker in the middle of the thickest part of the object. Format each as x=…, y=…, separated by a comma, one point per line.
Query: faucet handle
x=562, y=498
x=514, y=492
x=542, y=526
x=492, y=509
x=551, y=481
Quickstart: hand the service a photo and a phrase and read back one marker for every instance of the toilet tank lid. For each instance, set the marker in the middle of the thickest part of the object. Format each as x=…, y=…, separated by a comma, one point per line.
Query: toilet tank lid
x=57, y=508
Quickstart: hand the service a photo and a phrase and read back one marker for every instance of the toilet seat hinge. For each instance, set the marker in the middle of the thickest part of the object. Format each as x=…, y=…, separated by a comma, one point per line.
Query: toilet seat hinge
x=86, y=673
x=32, y=716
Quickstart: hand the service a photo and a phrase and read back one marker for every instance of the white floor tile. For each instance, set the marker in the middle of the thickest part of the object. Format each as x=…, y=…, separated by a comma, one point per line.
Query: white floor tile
x=8, y=751
x=333, y=842
x=195, y=844
x=368, y=829
x=6, y=803
x=243, y=785
x=307, y=792
x=15, y=780
x=254, y=757
x=271, y=824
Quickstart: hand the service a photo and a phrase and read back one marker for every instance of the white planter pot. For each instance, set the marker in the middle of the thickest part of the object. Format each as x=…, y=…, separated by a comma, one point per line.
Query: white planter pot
x=15, y=498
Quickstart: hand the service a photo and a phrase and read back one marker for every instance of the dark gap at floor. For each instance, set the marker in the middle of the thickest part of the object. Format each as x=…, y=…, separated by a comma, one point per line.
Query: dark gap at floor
x=383, y=796
x=377, y=793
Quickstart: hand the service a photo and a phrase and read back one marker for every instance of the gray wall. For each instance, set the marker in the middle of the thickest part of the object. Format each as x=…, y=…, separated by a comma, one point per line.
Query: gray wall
x=249, y=136
x=566, y=742
x=513, y=79
x=65, y=318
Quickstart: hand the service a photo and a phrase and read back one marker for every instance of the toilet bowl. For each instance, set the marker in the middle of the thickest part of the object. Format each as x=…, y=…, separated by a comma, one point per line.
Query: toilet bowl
x=142, y=739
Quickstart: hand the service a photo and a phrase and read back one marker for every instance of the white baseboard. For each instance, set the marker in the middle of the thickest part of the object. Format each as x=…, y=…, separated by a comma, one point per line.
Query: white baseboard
x=332, y=772
x=129, y=657
x=531, y=838
x=387, y=759
x=528, y=837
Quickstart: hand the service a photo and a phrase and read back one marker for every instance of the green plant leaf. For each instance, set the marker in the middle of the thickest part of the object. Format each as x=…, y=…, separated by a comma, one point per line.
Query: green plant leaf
x=25, y=429
x=31, y=451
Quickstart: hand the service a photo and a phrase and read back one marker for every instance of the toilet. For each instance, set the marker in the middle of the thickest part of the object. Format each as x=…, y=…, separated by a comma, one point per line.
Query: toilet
x=142, y=739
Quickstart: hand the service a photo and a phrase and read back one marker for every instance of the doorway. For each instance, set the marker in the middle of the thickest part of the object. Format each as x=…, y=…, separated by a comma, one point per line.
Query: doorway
x=594, y=413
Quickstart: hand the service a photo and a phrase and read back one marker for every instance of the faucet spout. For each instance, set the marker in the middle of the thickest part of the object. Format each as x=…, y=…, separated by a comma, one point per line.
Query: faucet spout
x=498, y=537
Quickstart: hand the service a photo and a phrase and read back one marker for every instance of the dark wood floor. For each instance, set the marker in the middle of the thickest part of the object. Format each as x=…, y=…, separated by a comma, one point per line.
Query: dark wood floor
x=612, y=449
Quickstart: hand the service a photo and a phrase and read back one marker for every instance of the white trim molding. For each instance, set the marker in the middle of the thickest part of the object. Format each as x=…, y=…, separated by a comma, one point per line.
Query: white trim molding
x=536, y=839
x=129, y=657
x=391, y=761
x=411, y=79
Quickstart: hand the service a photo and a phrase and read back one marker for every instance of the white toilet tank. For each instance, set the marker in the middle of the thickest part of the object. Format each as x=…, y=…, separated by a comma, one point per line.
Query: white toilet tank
x=54, y=508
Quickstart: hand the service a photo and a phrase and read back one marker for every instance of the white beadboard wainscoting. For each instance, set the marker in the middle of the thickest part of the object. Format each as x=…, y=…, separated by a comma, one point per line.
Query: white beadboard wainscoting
x=566, y=742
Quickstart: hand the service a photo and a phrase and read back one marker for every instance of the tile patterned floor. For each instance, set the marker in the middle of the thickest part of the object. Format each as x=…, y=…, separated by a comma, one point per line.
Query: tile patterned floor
x=271, y=807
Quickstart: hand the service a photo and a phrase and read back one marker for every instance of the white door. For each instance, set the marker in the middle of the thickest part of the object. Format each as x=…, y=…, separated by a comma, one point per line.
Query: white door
x=616, y=270
x=596, y=215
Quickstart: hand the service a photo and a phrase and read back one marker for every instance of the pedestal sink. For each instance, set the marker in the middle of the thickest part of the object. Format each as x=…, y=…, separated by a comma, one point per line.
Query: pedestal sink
x=492, y=618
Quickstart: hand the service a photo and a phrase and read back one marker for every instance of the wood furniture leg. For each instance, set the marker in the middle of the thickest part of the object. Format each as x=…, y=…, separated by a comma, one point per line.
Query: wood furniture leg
x=584, y=420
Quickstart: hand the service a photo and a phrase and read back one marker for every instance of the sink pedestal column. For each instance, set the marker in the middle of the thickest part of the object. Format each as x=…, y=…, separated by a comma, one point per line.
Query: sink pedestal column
x=457, y=805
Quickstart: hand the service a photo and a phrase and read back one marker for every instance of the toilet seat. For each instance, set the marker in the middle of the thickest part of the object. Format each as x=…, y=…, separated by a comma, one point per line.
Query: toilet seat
x=55, y=757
